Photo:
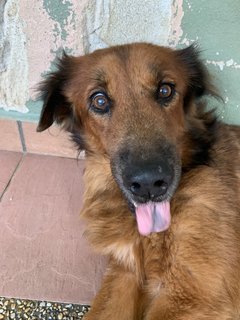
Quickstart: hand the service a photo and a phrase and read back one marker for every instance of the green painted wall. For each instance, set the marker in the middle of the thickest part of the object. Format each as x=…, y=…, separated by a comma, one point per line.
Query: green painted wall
x=215, y=25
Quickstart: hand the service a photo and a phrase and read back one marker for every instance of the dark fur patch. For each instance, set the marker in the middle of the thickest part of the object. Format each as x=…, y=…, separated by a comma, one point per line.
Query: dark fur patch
x=56, y=107
x=122, y=53
x=199, y=83
x=78, y=139
x=202, y=132
x=198, y=76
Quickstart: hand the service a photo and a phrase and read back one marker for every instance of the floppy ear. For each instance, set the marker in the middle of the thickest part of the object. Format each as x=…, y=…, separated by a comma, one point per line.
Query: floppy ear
x=199, y=80
x=56, y=106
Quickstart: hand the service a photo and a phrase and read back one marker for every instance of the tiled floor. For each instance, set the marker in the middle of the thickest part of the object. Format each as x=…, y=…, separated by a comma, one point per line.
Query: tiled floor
x=9, y=162
x=44, y=255
x=22, y=136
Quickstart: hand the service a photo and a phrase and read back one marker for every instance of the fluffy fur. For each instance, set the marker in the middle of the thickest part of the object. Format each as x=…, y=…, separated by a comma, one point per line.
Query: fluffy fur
x=192, y=270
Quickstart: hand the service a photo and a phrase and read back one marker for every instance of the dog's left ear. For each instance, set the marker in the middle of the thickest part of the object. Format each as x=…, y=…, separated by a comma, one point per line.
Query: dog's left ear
x=199, y=80
x=56, y=106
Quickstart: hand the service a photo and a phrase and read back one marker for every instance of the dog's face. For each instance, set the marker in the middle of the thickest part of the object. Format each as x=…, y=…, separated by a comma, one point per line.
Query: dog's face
x=130, y=103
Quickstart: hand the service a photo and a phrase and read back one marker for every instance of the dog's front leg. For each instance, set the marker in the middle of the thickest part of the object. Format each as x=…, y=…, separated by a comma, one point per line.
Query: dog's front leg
x=119, y=298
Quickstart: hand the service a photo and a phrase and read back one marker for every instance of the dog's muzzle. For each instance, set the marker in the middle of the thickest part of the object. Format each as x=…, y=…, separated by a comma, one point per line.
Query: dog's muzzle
x=148, y=185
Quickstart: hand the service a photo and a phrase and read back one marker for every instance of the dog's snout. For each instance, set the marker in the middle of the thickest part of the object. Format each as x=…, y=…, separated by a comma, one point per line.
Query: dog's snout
x=148, y=183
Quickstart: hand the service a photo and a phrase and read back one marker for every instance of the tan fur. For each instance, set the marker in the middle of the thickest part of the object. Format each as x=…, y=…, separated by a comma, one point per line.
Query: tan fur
x=192, y=270
x=195, y=265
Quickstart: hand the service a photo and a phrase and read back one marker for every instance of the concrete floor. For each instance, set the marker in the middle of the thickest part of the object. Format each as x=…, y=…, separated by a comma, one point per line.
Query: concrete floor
x=44, y=255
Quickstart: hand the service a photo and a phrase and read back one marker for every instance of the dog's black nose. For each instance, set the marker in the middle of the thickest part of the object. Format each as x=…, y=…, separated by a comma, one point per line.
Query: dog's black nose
x=147, y=186
x=148, y=183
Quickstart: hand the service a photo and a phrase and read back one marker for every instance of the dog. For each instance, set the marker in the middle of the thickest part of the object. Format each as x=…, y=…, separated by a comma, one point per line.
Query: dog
x=162, y=180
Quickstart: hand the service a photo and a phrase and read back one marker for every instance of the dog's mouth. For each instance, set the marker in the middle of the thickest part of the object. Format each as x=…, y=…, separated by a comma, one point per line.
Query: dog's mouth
x=152, y=213
x=148, y=184
x=148, y=188
x=152, y=217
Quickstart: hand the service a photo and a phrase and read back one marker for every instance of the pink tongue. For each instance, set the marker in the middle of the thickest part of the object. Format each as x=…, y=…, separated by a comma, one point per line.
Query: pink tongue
x=153, y=217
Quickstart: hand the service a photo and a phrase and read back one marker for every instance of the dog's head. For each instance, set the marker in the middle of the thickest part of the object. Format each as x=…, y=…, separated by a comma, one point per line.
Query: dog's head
x=136, y=105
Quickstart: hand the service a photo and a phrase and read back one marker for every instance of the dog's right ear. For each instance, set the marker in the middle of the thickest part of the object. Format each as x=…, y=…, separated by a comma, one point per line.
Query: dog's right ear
x=56, y=106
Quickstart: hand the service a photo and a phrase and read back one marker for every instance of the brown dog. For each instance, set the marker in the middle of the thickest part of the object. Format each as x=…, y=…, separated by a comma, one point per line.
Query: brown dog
x=162, y=193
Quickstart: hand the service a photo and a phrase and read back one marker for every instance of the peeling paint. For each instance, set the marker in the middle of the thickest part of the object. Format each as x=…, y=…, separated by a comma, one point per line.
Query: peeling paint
x=233, y=64
x=187, y=42
x=13, y=59
x=176, y=31
x=62, y=14
x=189, y=5
x=226, y=100
x=44, y=45
x=222, y=64
x=38, y=44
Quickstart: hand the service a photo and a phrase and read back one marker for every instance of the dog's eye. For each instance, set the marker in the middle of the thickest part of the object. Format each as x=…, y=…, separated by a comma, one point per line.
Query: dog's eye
x=165, y=92
x=99, y=103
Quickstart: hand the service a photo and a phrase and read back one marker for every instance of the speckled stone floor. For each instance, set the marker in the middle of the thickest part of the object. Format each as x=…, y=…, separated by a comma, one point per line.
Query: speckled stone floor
x=20, y=309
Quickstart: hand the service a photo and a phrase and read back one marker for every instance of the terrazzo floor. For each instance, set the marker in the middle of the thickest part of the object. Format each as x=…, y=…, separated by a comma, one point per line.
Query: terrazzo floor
x=20, y=309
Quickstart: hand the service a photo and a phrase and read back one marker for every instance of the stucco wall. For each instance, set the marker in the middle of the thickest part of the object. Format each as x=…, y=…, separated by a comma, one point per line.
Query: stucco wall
x=33, y=33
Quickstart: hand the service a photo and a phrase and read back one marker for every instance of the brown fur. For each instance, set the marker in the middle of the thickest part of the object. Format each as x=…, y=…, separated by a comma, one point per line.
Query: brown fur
x=192, y=270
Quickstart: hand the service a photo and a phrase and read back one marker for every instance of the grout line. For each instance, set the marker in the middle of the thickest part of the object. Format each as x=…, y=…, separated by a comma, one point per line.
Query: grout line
x=21, y=134
x=12, y=176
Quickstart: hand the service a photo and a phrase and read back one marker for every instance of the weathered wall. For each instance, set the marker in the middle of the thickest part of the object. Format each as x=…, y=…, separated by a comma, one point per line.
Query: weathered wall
x=33, y=33
x=13, y=58
x=215, y=25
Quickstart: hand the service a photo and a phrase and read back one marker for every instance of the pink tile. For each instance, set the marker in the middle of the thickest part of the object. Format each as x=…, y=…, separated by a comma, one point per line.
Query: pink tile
x=43, y=252
x=53, y=141
x=8, y=163
x=9, y=136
